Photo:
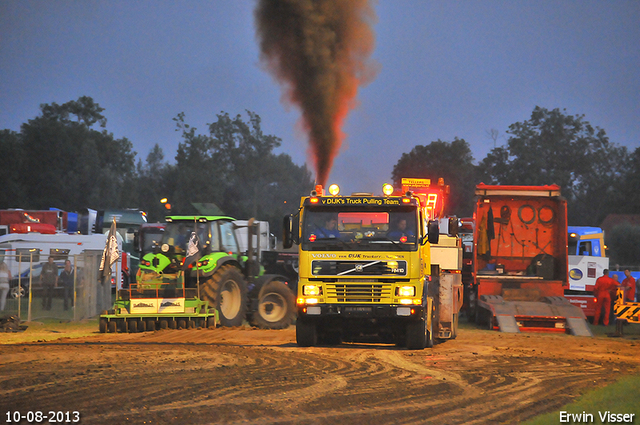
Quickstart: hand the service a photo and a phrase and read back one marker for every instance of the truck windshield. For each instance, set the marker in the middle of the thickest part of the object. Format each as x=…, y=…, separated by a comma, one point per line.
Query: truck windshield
x=371, y=229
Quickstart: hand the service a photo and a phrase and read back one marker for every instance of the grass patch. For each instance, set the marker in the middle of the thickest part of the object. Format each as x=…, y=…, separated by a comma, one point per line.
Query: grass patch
x=621, y=397
x=51, y=329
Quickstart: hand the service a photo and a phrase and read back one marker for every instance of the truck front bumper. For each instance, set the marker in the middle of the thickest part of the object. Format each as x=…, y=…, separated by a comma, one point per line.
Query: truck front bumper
x=360, y=311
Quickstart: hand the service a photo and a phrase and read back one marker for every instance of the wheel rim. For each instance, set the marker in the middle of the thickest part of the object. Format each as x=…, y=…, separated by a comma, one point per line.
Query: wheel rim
x=273, y=307
x=230, y=299
x=14, y=292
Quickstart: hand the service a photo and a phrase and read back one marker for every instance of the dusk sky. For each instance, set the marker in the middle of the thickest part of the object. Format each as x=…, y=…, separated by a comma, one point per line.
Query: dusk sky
x=446, y=69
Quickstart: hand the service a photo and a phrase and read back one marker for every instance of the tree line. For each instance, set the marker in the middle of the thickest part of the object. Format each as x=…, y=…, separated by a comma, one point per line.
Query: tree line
x=596, y=176
x=66, y=158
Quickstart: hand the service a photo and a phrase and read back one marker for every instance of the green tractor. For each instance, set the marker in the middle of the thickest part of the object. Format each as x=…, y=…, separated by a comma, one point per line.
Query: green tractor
x=203, y=253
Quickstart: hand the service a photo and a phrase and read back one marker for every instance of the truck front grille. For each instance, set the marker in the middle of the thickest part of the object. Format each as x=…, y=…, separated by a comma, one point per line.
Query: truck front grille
x=358, y=292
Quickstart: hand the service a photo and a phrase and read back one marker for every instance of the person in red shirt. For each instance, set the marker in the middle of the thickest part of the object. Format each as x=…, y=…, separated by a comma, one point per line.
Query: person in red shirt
x=629, y=285
x=602, y=291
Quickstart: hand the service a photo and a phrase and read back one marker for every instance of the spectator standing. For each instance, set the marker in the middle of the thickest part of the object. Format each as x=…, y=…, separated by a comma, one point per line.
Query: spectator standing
x=48, y=280
x=629, y=285
x=66, y=277
x=602, y=291
x=5, y=277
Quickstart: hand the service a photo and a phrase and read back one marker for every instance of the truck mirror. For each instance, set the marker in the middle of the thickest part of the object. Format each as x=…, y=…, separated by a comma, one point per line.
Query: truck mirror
x=286, y=232
x=434, y=232
x=290, y=230
x=453, y=226
x=136, y=241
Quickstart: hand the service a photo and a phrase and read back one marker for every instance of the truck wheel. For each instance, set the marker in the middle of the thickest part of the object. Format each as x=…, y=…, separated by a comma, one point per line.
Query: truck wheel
x=454, y=330
x=226, y=290
x=276, y=306
x=429, y=337
x=306, y=333
x=132, y=326
x=111, y=326
x=182, y=324
x=418, y=336
x=102, y=326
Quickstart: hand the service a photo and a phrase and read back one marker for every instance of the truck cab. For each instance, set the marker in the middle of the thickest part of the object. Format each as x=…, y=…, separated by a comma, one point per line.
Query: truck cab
x=587, y=261
x=365, y=267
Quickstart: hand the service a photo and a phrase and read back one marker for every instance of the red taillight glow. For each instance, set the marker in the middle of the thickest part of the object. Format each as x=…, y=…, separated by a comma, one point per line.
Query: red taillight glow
x=403, y=239
x=314, y=200
x=312, y=238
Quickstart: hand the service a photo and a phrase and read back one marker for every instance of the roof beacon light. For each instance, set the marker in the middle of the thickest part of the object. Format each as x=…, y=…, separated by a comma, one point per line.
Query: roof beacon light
x=387, y=189
x=334, y=189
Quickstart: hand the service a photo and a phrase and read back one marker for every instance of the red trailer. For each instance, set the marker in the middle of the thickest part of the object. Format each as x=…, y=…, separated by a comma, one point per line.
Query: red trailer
x=38, y=221
x=520, y=261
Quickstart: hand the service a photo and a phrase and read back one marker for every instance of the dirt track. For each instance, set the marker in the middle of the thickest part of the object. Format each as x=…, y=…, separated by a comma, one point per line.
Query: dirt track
x=255, y=376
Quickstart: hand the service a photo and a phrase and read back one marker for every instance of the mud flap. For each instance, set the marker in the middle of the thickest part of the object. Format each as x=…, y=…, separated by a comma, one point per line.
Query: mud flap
x=578, y=326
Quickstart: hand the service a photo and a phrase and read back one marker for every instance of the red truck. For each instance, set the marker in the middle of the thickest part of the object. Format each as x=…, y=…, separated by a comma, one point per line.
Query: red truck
x=520, y=261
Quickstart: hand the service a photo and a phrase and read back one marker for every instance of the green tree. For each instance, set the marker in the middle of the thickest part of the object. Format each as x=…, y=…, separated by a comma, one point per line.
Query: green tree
x=628, y=197
x=234, y=166
x=452, y=161
x=624, y=246
x=13, y=193
x=151, y=182
x=553, y=147
x=199, y=174
x=69, y=165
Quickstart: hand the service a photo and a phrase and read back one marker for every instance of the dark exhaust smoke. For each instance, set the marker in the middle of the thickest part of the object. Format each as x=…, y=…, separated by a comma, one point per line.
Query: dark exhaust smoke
x=319, y=51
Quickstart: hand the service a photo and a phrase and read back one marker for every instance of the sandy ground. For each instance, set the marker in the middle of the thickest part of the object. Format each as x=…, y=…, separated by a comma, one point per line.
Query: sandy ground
x=239, y=376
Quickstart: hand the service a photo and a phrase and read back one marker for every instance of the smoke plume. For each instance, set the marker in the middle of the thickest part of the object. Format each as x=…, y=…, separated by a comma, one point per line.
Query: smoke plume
x=318, y=50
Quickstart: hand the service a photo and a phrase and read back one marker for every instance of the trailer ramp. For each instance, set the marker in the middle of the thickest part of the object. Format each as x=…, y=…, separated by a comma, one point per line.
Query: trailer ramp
x=550, y=314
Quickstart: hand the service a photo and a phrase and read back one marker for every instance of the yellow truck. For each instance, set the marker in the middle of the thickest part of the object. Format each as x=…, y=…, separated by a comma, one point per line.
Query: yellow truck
x=376, y=268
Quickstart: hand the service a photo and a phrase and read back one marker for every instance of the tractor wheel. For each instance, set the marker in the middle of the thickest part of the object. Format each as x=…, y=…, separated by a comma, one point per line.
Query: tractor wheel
x=164, y=324
x=102, y=326
x=306, y=333
x=276, y=306
x=226, y=290
x=111, y=326
x=132, y=326
x=173, y=324
x=182, y=324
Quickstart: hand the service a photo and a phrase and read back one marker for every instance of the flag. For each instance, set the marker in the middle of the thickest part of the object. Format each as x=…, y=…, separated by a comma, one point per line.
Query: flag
x=193, y=251
x=110, y=254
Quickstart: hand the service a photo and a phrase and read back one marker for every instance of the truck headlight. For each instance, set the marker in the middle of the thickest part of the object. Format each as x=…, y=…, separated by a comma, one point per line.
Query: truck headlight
x=311, y=290
x=406, y=291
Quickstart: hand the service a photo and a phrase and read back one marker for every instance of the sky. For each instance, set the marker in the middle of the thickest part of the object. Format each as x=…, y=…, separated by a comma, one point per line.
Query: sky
x=445, y=69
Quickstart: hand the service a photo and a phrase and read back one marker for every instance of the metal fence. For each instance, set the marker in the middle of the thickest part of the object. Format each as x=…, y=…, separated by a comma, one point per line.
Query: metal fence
x=28, y=297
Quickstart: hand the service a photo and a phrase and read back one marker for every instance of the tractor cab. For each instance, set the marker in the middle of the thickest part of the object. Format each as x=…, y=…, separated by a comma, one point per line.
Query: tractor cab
x=212, y=235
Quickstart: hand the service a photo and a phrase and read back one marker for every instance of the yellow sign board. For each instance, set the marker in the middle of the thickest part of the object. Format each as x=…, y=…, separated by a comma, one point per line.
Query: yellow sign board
x=416, y=182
